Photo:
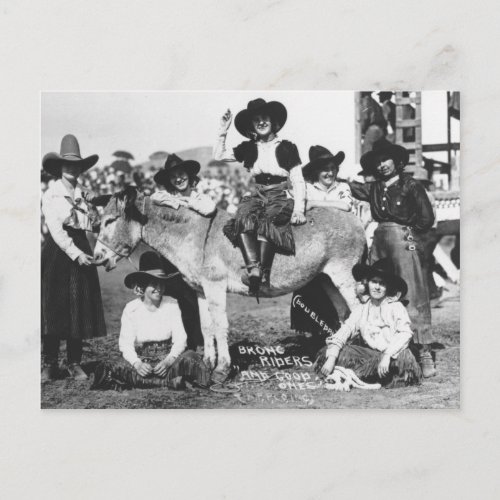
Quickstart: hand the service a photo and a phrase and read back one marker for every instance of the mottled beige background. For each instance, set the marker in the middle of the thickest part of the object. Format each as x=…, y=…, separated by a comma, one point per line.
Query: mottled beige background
x=229, y=44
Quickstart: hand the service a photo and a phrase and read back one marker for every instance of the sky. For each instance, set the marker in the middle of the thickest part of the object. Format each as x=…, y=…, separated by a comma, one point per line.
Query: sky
x=145, y=122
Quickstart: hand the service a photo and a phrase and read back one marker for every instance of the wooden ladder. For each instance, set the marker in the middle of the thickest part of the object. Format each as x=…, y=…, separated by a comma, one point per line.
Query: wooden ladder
x=409, y=130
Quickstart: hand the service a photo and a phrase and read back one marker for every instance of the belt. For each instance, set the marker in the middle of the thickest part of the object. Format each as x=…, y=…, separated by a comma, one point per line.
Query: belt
x=268, y=179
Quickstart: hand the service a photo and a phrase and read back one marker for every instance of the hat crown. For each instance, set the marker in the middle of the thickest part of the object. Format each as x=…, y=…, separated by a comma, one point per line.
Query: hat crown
x=256, y=104
x=149, y=261
x=382, y=144
x=384, y=266
x=318, y=152
x=173, y=161
x=70, y=146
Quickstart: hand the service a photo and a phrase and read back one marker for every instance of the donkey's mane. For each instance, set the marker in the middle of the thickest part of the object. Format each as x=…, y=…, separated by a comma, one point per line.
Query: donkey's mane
x=127, y=199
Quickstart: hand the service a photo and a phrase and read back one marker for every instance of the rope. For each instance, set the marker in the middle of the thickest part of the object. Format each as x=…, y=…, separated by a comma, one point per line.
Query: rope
x=222, y=388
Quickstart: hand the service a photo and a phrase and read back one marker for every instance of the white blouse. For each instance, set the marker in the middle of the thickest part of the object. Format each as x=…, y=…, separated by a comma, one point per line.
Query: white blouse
x=57, y=208
x=385, y=328
x=139, y=325
x=267, y=163
x=198, y=202
x=338, y=191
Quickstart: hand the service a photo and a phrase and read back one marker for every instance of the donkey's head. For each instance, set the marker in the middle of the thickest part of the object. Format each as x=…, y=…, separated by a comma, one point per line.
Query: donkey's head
x=121, y=224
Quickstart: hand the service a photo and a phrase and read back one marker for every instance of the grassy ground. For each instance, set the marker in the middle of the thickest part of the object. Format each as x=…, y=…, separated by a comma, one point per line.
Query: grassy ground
x=266, y=323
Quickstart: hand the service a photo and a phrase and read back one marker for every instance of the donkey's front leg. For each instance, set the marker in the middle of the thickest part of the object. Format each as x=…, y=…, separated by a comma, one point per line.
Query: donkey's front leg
x=208, y=332
x=215, y=293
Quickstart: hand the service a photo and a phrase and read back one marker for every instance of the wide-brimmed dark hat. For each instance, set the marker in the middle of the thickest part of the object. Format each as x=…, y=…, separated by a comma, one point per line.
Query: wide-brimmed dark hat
x=150, y=266
x=385, y=269
x=70, y=153
x=319, y=158
x=173, y=161
x=276, y=111
x=383, y=147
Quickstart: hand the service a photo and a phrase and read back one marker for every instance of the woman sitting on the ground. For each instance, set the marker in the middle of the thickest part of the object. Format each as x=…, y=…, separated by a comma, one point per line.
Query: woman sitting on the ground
x=178, y=179
x=148, y=324
x=385, y=330
x=322, y=190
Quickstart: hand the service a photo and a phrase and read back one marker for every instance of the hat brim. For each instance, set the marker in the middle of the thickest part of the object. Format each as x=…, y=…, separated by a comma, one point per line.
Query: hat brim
x=132, y=279
x=52, y=162
x=363, y=271
x=274, y=109
x=190, y=166
x=321, y=163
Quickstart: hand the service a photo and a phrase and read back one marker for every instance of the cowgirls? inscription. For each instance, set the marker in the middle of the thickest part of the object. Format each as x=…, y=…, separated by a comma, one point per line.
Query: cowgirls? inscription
x=297, y=302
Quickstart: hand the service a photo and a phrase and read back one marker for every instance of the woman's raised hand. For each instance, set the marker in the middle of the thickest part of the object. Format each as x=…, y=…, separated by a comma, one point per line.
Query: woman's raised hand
x=226, y=120
x=143, y=369
x=85, y=260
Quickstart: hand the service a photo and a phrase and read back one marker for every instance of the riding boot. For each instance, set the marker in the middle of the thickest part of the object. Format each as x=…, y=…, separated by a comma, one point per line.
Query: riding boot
x=267, y=252
x=250, y=250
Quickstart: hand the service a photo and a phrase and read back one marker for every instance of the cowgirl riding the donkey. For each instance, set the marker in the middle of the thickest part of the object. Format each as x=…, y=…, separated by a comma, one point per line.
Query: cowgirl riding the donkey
x=261, y=226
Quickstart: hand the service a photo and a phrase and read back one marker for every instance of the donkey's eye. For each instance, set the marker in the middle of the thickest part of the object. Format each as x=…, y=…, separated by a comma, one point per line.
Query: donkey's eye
x=109, y=220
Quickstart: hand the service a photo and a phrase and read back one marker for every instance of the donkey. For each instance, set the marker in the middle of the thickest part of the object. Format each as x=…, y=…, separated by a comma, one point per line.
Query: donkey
x=331, y=242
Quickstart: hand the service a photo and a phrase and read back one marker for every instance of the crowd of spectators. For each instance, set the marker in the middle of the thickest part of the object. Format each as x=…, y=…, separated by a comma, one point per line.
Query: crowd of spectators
x=224, y=185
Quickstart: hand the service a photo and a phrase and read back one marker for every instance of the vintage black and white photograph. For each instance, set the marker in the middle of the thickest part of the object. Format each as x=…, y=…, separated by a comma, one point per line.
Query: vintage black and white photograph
x=250, y=249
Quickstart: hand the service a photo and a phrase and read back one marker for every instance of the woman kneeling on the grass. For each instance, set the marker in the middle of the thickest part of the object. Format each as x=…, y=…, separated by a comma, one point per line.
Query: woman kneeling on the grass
x=148, y=324
x=385, y=330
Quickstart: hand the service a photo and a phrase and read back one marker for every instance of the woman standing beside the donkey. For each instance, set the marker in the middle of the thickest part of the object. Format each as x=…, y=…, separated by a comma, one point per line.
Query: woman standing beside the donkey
x=403, y=211
x=261, y=226
x=71, y=297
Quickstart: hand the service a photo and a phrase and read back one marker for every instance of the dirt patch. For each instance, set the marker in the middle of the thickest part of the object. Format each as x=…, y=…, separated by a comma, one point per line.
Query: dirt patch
x=266, y=386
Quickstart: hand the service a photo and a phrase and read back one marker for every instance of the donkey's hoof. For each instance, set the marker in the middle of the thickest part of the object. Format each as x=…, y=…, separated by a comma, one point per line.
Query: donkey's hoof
x=219, y=376
x=209, y=361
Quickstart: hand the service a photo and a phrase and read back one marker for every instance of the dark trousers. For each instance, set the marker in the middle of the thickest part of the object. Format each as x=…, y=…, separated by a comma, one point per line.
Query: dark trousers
x=50, y=349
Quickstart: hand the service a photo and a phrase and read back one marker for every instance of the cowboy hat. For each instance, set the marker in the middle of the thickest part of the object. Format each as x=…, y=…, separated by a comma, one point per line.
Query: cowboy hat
x=382, y=147
x=70, y=153
x=319, y=158
x=173, y=161
x=276, y=111
x=150, y=266
x=384, y=269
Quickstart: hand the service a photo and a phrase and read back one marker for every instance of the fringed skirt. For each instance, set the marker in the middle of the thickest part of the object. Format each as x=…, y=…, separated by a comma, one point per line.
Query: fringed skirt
x=364, y=361
x=405, y=250
x=71, y=295
x=188, y=365
x=267, y=212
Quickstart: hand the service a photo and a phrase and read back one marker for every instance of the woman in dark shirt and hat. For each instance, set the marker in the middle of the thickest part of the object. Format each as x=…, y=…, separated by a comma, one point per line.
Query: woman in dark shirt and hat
x=402, y=209
x=71, y=297
x=261, y=226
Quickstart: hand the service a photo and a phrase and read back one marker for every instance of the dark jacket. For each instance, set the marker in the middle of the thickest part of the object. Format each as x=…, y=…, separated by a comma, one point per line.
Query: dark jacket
x=287, y=154
x=404, y=202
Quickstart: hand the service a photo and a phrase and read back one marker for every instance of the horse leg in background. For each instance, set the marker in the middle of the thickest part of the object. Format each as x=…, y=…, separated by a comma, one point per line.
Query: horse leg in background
x=208, y=332
x=336, y=298
x=216, y=293
x=344, y=284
